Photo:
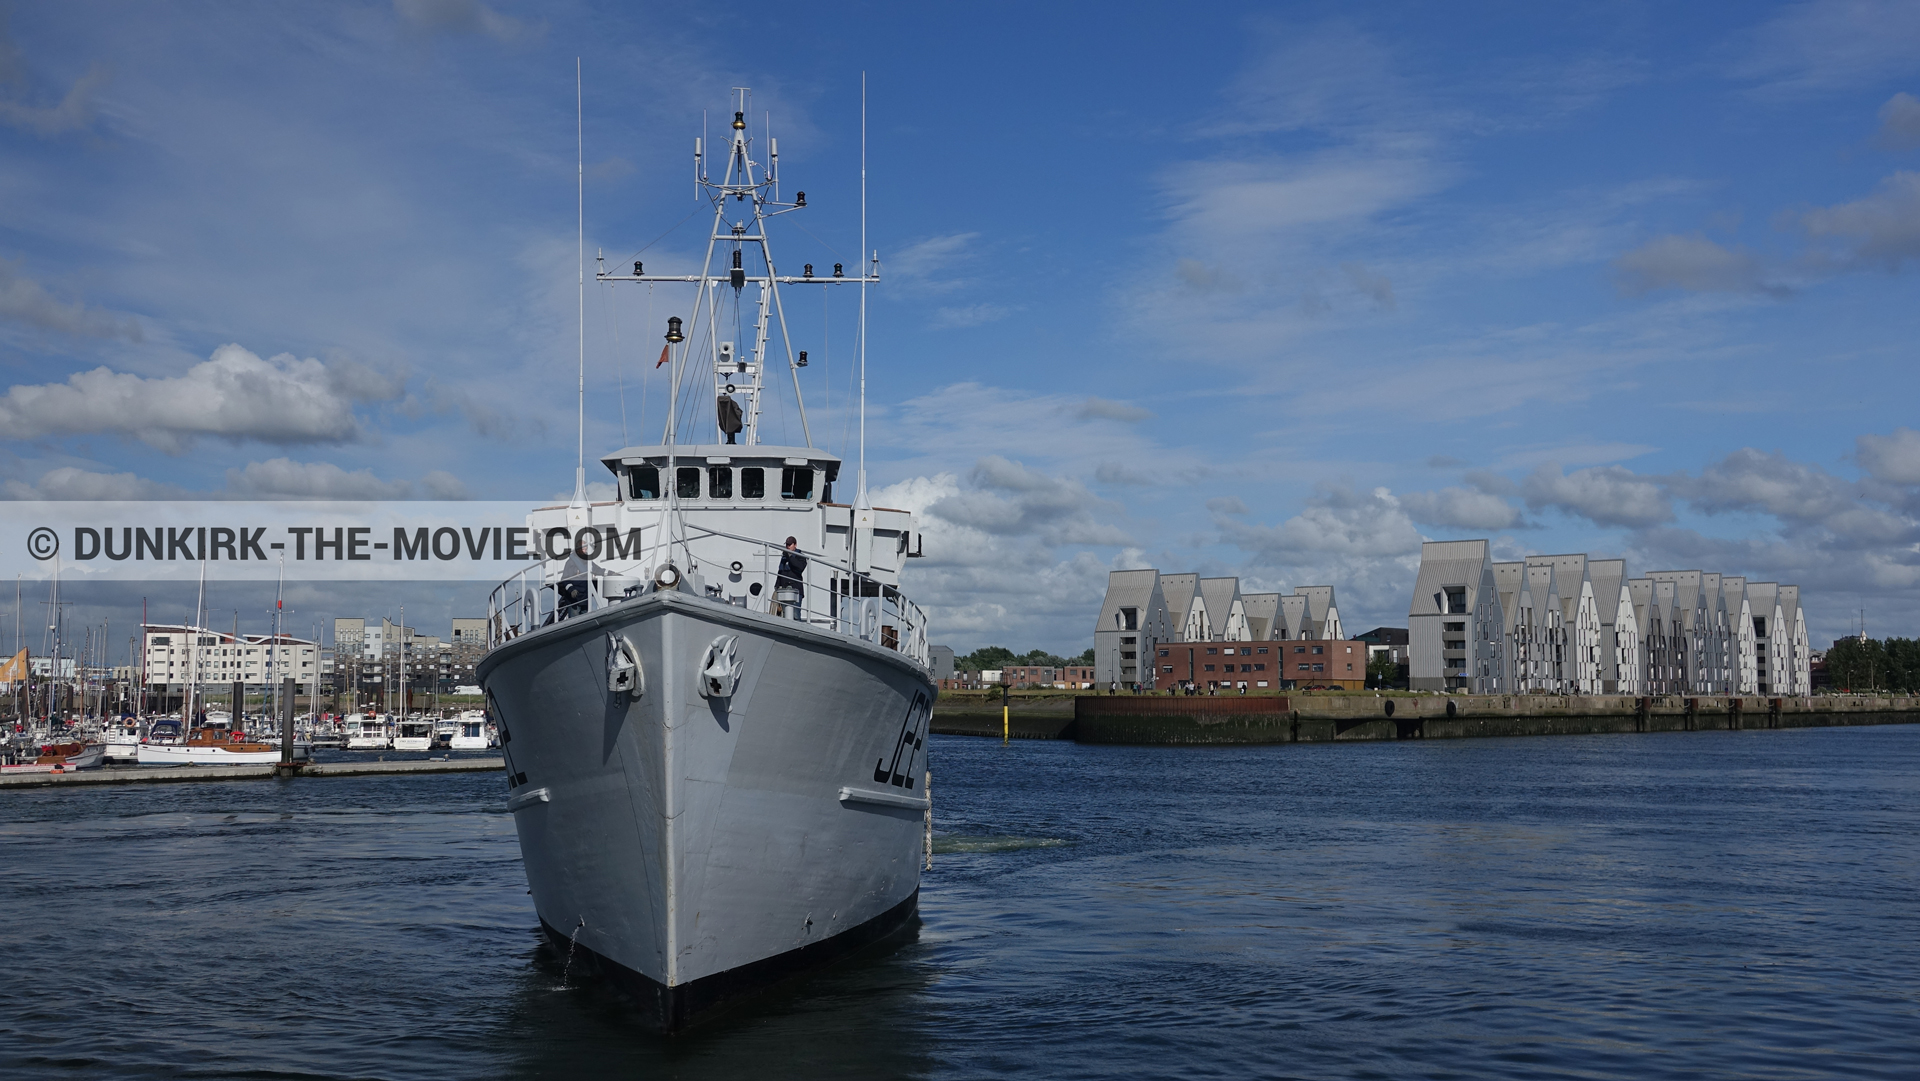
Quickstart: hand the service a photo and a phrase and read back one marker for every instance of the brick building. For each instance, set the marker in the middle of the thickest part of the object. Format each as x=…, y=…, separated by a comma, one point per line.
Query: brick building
x=1263, y=665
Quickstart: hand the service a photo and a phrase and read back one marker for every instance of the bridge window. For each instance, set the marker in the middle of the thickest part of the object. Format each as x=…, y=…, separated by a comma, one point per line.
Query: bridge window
x=753, y=483
x=644, y=482
x=796, y=482
x=720, y=482
x=686, y=482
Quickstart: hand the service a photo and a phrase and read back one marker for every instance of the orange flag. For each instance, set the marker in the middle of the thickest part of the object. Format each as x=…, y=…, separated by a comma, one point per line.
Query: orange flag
x=15, y=668
x=663, y=354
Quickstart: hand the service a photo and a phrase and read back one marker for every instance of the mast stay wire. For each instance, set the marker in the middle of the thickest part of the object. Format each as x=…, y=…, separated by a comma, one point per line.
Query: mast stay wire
x=663, y=236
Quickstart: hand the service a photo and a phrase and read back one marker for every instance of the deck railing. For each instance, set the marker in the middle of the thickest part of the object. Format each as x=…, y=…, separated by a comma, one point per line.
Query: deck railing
x=855, y=604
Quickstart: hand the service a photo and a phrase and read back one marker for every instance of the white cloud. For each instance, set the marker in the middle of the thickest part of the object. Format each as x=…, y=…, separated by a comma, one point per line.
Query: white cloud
x=283, y=478
x=997, y=577
x=1892, y=458
x=71, y=482
x=1694, y=263
x=1461, y=508
x=1823, y=45
x=1111, y=410
x=1900, y=122
x=1010, y=499
x=276, y=478
x=1368, y=283
x=920, y=265
x=1336, y=521
x=27, y=301
x=235, y=395
x=1604, y=495
x=74, y=112
x=1881, y=230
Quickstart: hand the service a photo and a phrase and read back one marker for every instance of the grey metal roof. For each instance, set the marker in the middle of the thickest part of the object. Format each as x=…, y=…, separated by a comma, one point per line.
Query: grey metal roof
x=1688, y=597
x=1645, y=604
x=1733, y=587
x=1443, y=564
x=1293, y=613
x=1319, y=602
x=1789, y=603
x=1178, y=589
x=1606, y=576
x=1219, y=594
x=1511, y=580
x=1263, y=609
x=1569, y=570
x=1126, y=589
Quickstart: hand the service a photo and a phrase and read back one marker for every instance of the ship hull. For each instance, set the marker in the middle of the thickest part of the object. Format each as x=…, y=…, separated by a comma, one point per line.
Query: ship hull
x=700, y=848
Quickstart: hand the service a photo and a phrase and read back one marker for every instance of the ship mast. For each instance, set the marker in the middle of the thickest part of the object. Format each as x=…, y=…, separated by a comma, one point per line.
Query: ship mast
x=753, y=190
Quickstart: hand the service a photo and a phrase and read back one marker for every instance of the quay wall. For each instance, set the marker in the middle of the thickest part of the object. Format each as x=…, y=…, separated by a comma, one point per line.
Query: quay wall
x=1250, y=719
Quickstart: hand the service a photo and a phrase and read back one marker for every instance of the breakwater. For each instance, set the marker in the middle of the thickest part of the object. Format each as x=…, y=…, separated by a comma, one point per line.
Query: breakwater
x=1234, y=719
x=247, y=772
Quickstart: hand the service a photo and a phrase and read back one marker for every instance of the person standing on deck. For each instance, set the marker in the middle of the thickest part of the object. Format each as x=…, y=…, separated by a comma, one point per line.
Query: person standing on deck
x=792, y=575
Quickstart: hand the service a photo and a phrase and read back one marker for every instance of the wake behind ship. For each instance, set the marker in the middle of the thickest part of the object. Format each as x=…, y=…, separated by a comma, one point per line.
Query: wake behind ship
x=716, y=740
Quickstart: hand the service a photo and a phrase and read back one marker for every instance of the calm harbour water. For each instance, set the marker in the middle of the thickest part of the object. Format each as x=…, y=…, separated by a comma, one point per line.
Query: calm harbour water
x=1740, y=904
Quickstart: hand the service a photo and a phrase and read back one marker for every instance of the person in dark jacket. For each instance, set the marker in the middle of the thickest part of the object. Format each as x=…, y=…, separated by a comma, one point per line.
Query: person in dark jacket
x=792, y=575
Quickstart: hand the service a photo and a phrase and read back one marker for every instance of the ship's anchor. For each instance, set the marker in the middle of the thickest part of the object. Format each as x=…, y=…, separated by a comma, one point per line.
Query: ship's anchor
x=623, y=667
x=720, y=668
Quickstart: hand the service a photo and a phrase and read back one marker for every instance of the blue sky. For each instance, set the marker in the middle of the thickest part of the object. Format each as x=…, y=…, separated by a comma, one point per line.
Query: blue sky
x=1274, y=290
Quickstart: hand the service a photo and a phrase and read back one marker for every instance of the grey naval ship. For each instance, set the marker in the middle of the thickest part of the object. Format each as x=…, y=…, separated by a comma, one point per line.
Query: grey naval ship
x=715, y=741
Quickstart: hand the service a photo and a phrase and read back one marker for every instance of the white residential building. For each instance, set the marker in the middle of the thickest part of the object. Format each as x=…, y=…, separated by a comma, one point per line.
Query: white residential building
x=1456, y=629
x=176, y=656
x=1570, y=624
x=1134, y=618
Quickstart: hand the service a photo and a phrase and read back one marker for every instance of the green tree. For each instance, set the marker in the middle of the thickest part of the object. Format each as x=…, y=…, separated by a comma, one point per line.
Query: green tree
x=1085, y=658
x=1382, y=671
x=986, y=658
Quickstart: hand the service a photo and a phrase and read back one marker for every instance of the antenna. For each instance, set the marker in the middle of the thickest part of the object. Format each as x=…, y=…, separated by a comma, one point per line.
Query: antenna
x=580, y=265
x=861, y=500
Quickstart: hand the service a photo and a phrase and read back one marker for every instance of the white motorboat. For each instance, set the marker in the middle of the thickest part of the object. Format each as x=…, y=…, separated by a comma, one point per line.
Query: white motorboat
x=414, y=734
x=368, y=733
x=470, y=731
x=715, y=742
x=123, y=739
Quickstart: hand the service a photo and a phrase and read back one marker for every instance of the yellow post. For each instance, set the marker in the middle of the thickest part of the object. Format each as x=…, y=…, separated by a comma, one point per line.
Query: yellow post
x=1005, y=725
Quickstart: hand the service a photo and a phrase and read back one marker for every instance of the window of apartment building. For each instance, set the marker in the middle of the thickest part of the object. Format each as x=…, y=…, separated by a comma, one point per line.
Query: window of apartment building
x=1458, y=628
x=1166, y=668
x=1260, y=668
x=720, y=482
x=1456, y=599
x=1319, y=649
x=1211, y=651
x=1246, y=668
x=1319, y=667
x=1163, y=653
x=1129, y=619
x=1262, y=649
x=1206, y=668
x=753, y=483
x=1299, y=649
x=1349, y=667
